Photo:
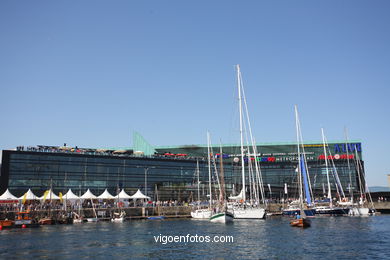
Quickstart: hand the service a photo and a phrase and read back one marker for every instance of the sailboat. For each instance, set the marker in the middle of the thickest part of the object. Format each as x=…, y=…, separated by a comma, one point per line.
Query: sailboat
x=252, y=210
x=198, y=212
x=121, y=214
x=301, y=219
x=222, y=214
x=361, y=209
x=330, y=209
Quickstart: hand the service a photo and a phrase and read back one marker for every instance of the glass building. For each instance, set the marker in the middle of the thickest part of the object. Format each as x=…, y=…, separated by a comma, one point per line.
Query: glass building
x=171, y=172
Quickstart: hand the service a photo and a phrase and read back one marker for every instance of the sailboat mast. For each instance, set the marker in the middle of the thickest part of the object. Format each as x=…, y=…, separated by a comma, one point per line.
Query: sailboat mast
x=209, y=166
x=241, y=132
x=299, y=158
x=197, y=171
x=326, y=166
x=222, y=193
x=349, y=165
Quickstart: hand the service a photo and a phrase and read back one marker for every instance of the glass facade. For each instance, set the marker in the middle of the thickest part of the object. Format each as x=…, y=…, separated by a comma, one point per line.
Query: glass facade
x=172, y=171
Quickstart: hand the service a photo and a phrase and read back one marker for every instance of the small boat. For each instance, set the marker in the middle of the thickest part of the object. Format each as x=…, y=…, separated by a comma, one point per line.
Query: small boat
x=46, y=221
x=77, y=218
x=5, y=223
x=300, y=222
x=24, y=219
x=92, y=219
x=118, y=217
x=157, y=217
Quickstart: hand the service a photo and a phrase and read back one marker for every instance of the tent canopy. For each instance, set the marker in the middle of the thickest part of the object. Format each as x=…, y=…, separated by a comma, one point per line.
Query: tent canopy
x=7, y=195
x=29, y=196
x=139, y=195
x=70, y=195
x=88, y=195
x=106, y=195
x=50, y=196
x=123, y=195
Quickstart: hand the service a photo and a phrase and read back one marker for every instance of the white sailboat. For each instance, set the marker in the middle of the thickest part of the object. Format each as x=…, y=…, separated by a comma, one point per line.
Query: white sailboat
x=221, y=213
x=301, y=219
x=198, y=212
x=241, y=208
x=121, y=214
x=329, y=209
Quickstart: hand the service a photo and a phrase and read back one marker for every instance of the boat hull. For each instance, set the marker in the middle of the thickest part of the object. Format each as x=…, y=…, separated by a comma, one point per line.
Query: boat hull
x=359, y=212
x=293, y=212
x=301, y=222
x=46, y=221
x=121, y=219
x=223, y=217
x=201, y=214
x=6, y=223
x=249, y=213
x=332, y=211
x=92, y=219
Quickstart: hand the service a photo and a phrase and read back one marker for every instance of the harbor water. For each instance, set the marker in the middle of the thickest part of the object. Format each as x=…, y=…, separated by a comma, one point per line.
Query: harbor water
x=273, y=238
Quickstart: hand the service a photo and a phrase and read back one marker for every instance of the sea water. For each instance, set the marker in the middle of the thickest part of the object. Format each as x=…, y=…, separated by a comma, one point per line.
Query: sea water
x=273, y=238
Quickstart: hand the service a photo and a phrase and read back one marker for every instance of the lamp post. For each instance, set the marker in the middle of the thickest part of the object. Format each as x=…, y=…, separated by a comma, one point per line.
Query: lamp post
x=146, y=179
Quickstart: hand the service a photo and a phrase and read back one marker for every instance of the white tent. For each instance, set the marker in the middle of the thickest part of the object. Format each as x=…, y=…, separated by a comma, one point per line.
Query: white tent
x=50, y=196
x=139, y=195
x=123, y=195
x=70, y=195
x=7, y=195
x=29, y=196
x=106, y=195
x=88, y=195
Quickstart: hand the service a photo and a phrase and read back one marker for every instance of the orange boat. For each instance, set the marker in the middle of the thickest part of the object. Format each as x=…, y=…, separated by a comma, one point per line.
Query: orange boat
x=6, y=223
x=24, y=218
x=300, y=222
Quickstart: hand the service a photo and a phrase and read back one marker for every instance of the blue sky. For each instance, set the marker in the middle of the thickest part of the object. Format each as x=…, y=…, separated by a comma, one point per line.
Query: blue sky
x=90, y=73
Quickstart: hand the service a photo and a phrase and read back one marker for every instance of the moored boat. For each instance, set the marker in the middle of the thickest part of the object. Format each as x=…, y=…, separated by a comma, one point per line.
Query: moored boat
x=118, y=217
x=6, y=223
x=222, y=217
x=201, y=214
x=46, y=221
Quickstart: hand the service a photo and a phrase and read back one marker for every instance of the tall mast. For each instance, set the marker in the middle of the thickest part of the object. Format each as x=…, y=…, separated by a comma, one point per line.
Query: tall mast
x=209, y=166
x=241, y=132
x=197, y=170
x=326, y=166
x=349, y=166
x=222, y=193
x=299, y=158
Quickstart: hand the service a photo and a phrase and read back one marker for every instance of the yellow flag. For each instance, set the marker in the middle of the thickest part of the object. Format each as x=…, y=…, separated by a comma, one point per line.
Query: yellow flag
x=24, y=198
x=61, y=197
x=45, y=195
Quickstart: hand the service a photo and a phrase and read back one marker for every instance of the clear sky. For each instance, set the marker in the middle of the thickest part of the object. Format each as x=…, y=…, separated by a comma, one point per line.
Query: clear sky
x=90, y=73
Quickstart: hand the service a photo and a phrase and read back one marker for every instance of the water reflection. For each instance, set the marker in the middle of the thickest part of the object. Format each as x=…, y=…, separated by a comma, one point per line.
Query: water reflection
x=338, y=237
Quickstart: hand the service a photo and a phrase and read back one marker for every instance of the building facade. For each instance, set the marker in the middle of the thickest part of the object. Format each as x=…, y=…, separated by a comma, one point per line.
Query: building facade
x=171, y=172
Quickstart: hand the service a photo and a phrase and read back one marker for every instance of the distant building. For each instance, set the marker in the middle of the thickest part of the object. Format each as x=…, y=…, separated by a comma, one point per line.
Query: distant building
x=171, y=170
x=388, y=180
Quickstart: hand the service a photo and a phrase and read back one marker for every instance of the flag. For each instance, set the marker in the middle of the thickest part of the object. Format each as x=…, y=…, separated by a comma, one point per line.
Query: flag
x=24, y=198
x=45, y=195
x=61, y=197
x=285, y=188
